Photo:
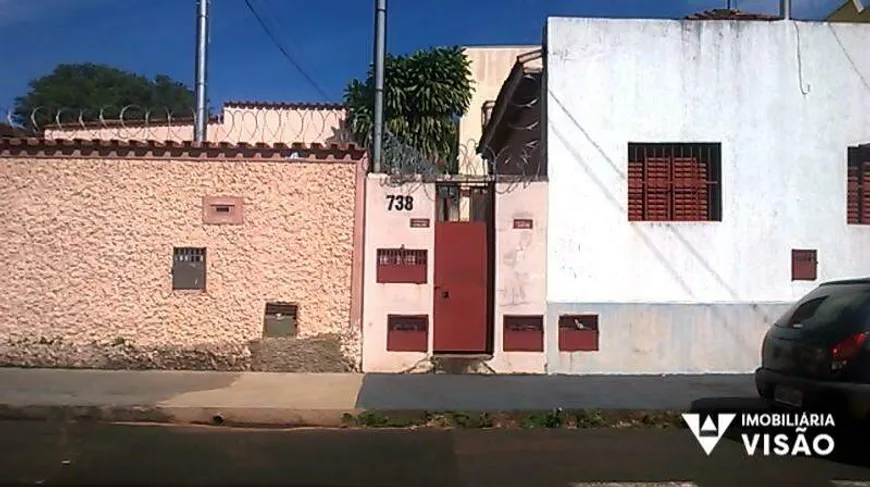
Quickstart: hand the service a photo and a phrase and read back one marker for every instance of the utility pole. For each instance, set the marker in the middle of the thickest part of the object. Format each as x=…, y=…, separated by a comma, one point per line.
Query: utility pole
x=380, y=55
x=201, y=65
x=785, y=9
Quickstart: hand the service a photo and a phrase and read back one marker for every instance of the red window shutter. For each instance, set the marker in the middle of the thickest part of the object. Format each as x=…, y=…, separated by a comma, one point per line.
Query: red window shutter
x=690, y=189
x=658, y=188
x=852, y=195
x=635, y=191
x=865, y=200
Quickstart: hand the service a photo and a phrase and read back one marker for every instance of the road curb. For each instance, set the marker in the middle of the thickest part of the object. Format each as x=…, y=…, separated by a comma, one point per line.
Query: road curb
x=347, y=418
x=233, y=416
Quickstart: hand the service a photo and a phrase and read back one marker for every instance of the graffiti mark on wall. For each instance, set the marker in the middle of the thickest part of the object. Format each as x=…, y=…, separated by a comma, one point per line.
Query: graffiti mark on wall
x=517, y=275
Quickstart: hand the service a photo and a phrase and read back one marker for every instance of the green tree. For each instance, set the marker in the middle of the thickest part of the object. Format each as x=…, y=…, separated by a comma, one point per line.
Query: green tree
x=74, y=90
x=425, y=93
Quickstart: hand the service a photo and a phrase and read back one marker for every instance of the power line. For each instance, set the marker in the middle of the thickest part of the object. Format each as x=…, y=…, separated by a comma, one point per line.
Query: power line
x=285, y=53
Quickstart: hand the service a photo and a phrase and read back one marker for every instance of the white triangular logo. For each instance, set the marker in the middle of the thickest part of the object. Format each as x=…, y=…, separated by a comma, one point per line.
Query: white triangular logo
x=723, y=421
x=708, y=425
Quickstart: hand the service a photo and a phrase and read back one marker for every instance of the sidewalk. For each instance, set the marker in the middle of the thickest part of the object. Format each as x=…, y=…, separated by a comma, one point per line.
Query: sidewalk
x=322, y=399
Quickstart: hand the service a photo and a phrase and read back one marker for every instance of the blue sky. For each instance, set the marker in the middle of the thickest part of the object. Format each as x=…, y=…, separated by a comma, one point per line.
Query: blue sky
x=331, y=39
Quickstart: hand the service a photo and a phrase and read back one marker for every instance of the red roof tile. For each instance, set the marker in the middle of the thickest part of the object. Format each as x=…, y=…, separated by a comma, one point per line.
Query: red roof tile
x=732, y=14
x=40, y=147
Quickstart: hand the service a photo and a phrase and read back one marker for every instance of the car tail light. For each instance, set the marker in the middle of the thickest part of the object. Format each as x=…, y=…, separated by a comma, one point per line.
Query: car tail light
x=846, y=350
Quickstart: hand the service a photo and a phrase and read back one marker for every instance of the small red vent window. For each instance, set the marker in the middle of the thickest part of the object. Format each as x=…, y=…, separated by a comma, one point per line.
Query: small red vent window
x=804, y=265
x=407, y=333
x=402, y=266
x=523, y=334
x=578, y=333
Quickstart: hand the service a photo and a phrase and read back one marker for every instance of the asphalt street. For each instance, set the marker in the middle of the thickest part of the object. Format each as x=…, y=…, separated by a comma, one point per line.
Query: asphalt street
x=54, y=453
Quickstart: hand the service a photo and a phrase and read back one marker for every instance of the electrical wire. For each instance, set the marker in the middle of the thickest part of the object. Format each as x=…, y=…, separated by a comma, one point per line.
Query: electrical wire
x=287, y=55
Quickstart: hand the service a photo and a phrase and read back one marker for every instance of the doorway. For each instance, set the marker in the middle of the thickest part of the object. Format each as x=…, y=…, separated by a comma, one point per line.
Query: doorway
x=464, y=280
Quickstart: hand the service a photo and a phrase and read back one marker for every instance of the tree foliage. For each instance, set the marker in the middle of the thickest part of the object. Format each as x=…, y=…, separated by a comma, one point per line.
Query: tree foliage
x=425, y=93
x=86, y=90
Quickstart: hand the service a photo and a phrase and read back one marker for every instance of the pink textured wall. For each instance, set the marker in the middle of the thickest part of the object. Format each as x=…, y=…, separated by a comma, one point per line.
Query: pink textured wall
x=88, y=253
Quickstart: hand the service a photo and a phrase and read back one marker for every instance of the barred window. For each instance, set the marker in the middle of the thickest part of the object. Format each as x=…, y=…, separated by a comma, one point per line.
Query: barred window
x=402, y=266
x=858, y=184
x=674, y=182
x=188, y=268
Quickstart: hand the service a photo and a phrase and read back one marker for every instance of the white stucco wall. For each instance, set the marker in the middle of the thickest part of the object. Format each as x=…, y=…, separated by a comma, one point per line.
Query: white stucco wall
x=520, y=264
x=519, y=271
x=388, y=230
x=785, y=99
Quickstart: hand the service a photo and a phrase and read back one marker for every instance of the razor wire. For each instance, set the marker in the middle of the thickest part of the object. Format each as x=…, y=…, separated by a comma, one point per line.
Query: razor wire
x=253, y=125
x=517, y=159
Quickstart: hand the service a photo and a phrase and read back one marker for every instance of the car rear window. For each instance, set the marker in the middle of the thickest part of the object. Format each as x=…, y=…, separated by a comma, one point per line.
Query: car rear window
x=827, y=305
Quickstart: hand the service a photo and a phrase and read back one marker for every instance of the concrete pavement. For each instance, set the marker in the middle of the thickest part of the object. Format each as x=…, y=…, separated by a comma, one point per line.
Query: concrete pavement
x=52, y=453
x=321, y=399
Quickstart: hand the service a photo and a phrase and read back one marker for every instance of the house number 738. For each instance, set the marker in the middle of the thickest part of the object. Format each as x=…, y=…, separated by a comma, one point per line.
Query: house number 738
x=400, y=203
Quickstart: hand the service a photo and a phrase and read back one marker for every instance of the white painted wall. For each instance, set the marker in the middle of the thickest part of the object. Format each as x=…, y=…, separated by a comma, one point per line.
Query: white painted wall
x=785, y=99
x=387, y=230
x=519, y=273
x=520, y=266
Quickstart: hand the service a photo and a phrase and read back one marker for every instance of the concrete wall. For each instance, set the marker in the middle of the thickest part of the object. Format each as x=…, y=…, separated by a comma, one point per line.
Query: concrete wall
x=785, y=99
x=663, y=338
x=256, y=124
x=391, y=229
x=87, y=265
x=520, y=264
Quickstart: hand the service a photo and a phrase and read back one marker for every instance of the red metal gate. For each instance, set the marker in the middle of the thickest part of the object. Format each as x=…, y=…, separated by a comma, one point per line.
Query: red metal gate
x=461, y=277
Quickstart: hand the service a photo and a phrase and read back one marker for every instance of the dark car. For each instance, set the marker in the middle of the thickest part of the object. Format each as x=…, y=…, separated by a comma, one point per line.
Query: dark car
x=816, y=356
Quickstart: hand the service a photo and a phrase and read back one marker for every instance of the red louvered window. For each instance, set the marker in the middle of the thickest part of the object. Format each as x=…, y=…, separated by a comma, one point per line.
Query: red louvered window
x=858, y=186
x=674, y=182
x=401, y=266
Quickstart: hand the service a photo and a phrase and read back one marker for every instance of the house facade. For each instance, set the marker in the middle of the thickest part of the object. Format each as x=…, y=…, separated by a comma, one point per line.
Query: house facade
x=702, y=176
x=455, y=265
x=489, y=65
x=642, y=196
